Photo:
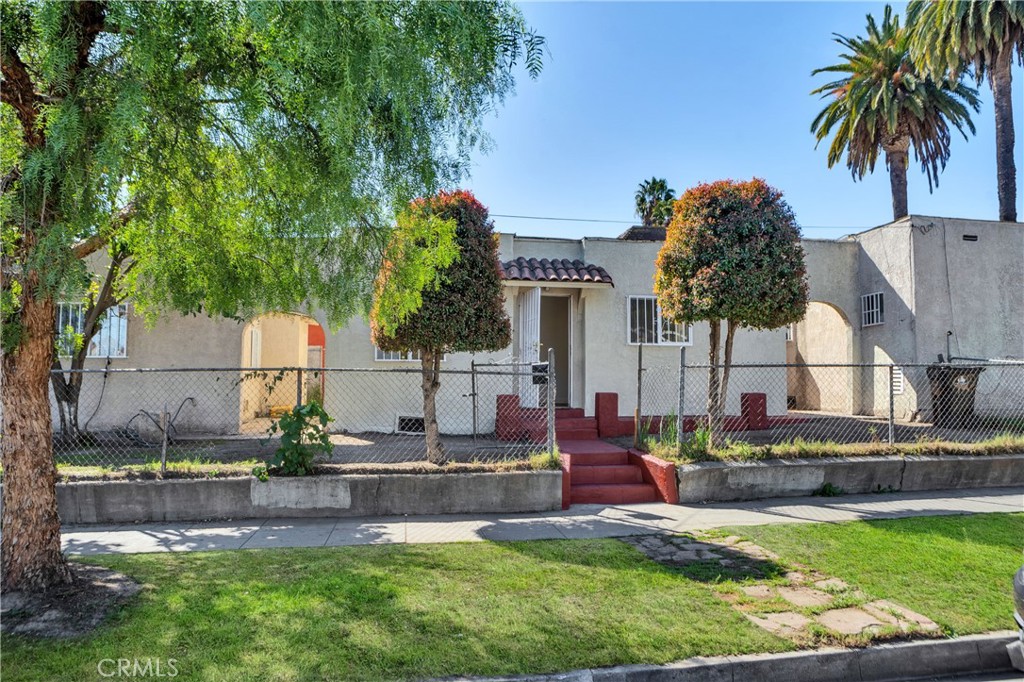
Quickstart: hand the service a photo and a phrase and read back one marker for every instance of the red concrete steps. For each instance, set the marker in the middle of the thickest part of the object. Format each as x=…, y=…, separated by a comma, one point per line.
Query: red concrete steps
x=633, y=493
x=570, y=424
x=602, y=473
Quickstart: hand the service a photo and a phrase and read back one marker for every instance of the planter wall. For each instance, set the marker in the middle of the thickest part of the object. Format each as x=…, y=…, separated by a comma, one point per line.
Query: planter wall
x=313, y=496
x=734, y=481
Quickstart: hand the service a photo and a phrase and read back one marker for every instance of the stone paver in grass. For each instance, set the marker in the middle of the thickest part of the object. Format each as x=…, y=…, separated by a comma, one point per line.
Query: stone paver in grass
x=805, y=596
x=849, y=621
x=758, y=591
x=900, y=614
x=791, y=601
x=786, y=623
x=831, y=584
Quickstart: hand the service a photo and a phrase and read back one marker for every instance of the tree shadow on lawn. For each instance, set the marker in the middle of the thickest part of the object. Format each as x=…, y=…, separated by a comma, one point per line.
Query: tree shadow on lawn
x=402, y=611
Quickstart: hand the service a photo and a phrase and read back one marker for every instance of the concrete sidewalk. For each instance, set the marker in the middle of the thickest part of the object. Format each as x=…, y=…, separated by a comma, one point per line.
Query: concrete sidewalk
x=580, y=521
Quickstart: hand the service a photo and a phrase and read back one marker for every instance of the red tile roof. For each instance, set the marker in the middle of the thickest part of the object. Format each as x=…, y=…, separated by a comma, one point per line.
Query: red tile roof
x=554, y=270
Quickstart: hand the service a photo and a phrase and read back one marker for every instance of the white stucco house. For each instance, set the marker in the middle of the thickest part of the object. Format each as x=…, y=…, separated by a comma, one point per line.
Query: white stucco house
x=889, y=294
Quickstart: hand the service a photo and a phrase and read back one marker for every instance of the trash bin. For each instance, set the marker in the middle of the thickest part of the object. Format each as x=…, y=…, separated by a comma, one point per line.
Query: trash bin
x=953, y=387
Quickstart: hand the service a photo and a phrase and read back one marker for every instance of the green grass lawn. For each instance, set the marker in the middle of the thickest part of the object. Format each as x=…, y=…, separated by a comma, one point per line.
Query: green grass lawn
x=957, y=570
x=400, y=611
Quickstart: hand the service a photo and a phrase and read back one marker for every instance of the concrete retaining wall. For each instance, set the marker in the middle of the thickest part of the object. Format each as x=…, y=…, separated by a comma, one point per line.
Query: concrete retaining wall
x=324, y=496
x=729, y=481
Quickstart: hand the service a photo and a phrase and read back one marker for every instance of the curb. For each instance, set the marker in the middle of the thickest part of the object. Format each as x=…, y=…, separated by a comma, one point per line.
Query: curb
x=881, y=663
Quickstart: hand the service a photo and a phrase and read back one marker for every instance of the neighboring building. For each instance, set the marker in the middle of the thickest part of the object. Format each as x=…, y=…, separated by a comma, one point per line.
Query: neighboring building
x=905, y=293
x=885, y=295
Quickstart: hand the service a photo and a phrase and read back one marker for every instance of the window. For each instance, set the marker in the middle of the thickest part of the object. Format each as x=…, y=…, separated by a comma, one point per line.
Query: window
x=789, y=331
x=399, y=355
x=648, y=325
x=111, y=341
x=872, y=310
x=395, y=355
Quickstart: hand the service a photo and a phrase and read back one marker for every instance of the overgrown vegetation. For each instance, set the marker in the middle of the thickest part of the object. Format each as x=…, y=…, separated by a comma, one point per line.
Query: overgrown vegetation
x=303, y=436
x=247, y=156
x=696, y=448
x=545, y=459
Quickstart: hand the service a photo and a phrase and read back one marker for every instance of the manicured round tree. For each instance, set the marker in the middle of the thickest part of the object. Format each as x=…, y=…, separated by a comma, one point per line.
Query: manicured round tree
x=732, y=252
x=460, y=310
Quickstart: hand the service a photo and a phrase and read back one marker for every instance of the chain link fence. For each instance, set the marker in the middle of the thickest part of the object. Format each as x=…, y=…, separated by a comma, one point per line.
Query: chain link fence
x=117, y=417
x=770, y=404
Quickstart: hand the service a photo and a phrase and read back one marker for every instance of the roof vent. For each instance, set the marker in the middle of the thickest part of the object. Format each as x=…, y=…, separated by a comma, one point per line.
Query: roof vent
x=970, y=237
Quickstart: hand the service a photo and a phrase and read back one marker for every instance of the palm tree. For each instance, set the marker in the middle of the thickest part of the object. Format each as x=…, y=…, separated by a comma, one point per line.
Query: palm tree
x=948, y=37
x=654, y=202
x=883, y=104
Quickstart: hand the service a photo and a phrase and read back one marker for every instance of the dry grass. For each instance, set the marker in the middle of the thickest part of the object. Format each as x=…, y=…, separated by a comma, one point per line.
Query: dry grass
x=798, y=448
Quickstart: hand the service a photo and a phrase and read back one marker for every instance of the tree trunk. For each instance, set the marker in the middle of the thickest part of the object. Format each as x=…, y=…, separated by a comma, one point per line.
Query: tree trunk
x=727, y=364
x=31, y=552
x=68, y=389
x=431, y=364
x=1006, y=169
x=714, y=407
x=896, y=159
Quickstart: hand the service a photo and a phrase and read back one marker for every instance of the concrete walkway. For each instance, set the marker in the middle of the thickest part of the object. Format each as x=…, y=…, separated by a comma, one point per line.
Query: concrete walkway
x=580, y=521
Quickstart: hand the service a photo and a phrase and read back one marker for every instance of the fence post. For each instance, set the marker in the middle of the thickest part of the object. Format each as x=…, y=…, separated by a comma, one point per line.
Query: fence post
x=637, y=414
x=472, y=392
x=682, y=395
x=892, y=405
x=298, y=388
x=551, y=400
x=164, y=418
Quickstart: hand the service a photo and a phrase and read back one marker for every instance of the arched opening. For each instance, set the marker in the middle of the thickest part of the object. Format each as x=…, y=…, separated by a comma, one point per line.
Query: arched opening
x=824, y=337
x=269, y=343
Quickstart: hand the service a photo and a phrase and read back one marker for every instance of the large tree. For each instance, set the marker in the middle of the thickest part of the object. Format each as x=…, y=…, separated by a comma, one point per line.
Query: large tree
x=883, y=104
x=654, y=202
x=732, y=253
x=950, y=36
x=460, y=309
x=242, y=153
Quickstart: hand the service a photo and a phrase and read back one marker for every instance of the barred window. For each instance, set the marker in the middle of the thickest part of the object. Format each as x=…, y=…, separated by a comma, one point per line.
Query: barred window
x=399, y=355
x=649, y=326
x=395, y=355
x=110, y=341
x=872, y=310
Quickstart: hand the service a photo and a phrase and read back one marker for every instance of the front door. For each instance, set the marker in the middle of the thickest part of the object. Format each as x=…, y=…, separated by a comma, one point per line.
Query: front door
x=555, y=325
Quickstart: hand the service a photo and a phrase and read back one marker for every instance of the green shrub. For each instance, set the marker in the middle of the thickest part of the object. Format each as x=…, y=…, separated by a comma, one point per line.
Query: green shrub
x=303, y=435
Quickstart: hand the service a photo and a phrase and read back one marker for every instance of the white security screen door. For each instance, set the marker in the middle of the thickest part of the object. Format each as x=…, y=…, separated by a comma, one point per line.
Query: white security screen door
x=529, y=343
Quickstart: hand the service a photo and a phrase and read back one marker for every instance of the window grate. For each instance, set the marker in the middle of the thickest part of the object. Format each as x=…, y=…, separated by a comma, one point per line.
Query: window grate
x=111, y=341
x=872, y=310
x=649, y=326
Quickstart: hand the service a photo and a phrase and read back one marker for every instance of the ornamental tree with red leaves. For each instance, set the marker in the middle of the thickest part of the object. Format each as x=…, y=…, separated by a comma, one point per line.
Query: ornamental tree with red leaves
x=732, y=252
x=440, y=292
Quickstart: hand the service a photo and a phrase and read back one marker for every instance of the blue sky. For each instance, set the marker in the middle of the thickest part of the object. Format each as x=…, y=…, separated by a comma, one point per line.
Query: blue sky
x=696, y=92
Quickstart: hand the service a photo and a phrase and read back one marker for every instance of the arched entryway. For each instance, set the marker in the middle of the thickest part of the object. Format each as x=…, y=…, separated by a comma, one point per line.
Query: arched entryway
x=824, y=337
x=271, y=342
